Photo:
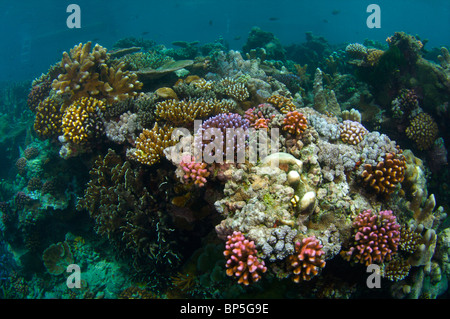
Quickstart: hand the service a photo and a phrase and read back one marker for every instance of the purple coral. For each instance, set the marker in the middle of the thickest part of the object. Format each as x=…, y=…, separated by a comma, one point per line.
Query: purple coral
x=376, y=239
x=225, y=132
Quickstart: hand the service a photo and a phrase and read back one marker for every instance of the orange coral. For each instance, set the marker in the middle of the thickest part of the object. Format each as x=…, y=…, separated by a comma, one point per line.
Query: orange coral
x=306, y=262
x=386, y=175
x=295, y=123
x=352, y=132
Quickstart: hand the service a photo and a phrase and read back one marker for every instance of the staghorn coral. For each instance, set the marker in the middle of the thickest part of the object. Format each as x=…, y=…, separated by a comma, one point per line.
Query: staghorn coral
x=81, y=122
x=87, y=74
x=47, y=123
x=151, y=143
x=242, y=261
x=386, y=175
x=57, y=257
x=295, y=123
x=423, y=130
x=284, y=104
x=307, y=260
x=376, y=238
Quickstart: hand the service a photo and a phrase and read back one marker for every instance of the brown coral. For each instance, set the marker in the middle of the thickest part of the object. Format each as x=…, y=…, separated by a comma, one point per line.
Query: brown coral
x=352, y=132
x=386, y=175
x=57, y=257
x=151, y=143
x=186, y=111
x=47, y=122
x=423, y=130
x=283, y=103
x=86, y=74
x=234, y=89
x=80, y=121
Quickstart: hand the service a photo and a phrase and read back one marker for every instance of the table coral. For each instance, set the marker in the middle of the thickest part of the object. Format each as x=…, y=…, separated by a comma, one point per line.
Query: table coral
x=386, y=175
x=423, y=130
x=242, y=261
x=57, y=257
x=306, y=262
x=376, y=238
x=352, y=132
x=151, y=143
x=295, y=123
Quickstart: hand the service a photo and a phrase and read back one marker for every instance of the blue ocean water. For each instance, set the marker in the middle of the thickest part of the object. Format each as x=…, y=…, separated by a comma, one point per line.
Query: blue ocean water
x=95, y=203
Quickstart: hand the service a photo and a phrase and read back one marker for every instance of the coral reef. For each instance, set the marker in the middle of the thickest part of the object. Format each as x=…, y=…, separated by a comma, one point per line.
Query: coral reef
x=57, y=257
x=423, y=130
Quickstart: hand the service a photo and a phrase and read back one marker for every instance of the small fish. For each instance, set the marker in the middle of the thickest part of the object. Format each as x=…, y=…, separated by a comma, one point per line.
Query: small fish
x=335, y=12
x=145, y=33
x=325, y=20
x=273, y=18
x=210, y=22
x=238, y=37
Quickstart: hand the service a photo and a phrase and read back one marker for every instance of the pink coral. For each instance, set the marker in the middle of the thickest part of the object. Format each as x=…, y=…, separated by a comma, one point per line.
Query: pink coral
x=306, y=262
x=377, y=237
x=194, y=171
x=241, y=259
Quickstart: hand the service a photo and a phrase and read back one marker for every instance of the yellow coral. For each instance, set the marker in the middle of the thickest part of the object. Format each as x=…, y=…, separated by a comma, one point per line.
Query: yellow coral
x=48, y=118
x=283, y=103
x=80, y=119
x=372, y=57
x=151, y=143
x=423, y=130
x=186, y=111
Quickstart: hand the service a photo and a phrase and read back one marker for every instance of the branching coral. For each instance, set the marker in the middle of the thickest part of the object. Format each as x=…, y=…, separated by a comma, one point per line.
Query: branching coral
x=81, y=121
x=282, y=103
x=57, y=257
x=232, y=88
x=242, y=260
x=356, y=50
x=423, y=130
x=194, y=172
x=307, y=260
x=86, y=74
x=126, y=213
x=262, y=114
x=376, y=238
x=295, y=123
x=151, y=143
x=47, y=123
x=186, y=111
x=396, y=269
x=386, y=175
x=352, y=132
x=37, y=94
